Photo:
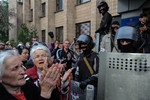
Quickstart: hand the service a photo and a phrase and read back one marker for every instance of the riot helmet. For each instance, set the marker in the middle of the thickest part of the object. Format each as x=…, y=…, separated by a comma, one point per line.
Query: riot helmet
x=127, y=32
x=102, y=6
x=85, y=42
x=126, y=38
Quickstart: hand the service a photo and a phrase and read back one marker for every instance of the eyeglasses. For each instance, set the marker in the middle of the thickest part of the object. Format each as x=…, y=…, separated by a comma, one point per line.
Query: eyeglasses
x=40, y=56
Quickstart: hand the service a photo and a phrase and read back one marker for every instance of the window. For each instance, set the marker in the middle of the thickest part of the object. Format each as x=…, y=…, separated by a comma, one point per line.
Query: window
x=59, y=34
x=30, y=3
x=43, y=9
x=82, y=1
x=83, y=28
x=59, y=5
x=43, y=35
x=31, y=15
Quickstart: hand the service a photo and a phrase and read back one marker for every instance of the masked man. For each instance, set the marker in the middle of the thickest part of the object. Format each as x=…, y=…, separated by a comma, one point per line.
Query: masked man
x=127, y=39
x=88, y=61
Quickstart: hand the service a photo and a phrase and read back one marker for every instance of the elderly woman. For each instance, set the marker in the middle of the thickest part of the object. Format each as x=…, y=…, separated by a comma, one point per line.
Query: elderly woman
x=40, y=56
x=13, y=85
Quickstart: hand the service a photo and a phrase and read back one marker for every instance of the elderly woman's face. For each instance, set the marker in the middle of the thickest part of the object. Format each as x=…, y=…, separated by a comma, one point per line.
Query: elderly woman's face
x=40, y=59
x=14, y=72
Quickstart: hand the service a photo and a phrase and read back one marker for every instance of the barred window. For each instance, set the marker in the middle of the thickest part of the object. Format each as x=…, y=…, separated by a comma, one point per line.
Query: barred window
x=59, y=33
x=82, y=1
x=31, y=15
x=43, y=35
x=59, y=5
x=83, y=28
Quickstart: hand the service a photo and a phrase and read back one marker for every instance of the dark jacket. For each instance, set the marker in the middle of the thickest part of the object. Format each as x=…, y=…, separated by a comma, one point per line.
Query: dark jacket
x=54, y=52
x=143, y=43
x=93, y=60
x=62, y=55
x=31, y=92
x=105, y=24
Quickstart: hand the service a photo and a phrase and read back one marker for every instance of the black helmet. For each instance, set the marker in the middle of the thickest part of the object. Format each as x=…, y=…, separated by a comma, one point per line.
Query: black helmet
x=104, y=5
x=86, y=39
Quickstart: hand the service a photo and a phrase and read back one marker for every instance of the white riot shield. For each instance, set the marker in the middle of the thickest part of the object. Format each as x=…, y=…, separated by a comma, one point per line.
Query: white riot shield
x=90, y=92
x=124, y=76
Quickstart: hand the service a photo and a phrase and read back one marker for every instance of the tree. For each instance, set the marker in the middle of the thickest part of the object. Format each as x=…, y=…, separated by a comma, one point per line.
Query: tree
x=25, y=34
x=4, y=21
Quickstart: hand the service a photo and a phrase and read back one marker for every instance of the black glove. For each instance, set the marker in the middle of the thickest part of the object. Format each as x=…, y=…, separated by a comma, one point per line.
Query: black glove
x=51, y=34
x=83, y=84
x=92, y=80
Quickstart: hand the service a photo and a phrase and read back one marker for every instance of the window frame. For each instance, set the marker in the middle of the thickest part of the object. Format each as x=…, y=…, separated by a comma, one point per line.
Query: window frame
x=59, y=5
x=78, y=28
x=78, y=2
x=43, y=35
x=43, y=9
x=31, y=15
x=59, y=33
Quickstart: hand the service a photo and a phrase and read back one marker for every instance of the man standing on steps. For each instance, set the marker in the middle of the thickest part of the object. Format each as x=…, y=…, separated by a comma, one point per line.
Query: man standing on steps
x=105, y=22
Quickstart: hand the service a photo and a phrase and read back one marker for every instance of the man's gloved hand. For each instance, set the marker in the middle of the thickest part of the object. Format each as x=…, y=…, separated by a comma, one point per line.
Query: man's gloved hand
x=92, y=80
x=83, y=85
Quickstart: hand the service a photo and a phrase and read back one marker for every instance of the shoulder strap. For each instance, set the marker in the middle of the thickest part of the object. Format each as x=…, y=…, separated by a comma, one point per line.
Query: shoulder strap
x=88, y=65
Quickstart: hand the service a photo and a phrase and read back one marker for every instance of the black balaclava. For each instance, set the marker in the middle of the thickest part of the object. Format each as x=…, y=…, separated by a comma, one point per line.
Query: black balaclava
x=126, y=48
x=86, y=50
x=86, y=40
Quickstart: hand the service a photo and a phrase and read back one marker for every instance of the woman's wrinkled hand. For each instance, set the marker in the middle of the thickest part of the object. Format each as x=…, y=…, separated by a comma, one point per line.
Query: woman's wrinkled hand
x=49, y=80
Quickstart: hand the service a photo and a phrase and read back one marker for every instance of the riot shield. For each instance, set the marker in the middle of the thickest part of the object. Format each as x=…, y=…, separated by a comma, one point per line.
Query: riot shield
x=124, y=76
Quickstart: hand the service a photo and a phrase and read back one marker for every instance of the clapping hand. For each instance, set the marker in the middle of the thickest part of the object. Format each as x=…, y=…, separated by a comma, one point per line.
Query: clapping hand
x=49, y=80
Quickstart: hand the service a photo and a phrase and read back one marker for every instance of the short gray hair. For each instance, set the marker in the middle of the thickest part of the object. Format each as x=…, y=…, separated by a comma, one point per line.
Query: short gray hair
x=39, y=47
x=3, y=56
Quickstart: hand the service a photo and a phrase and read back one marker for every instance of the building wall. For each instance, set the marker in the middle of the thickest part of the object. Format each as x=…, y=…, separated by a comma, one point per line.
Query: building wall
x=13, y=20
x=71, y=15
x=17, y=21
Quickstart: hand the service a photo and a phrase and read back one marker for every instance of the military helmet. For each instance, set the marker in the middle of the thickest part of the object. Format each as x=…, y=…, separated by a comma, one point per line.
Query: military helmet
x=104, y=5
x=127, y=32
x=86, y=39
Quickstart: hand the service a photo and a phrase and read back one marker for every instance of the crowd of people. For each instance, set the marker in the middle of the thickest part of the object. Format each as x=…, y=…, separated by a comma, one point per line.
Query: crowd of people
x=42, y=72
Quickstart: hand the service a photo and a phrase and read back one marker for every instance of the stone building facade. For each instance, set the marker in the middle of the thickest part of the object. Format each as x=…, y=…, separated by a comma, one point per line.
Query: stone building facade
x=65, y=18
